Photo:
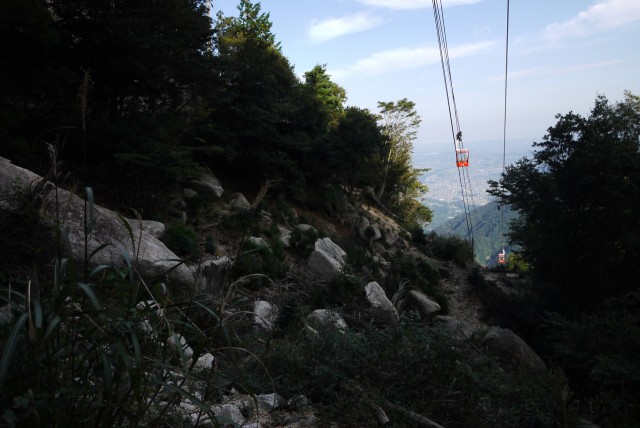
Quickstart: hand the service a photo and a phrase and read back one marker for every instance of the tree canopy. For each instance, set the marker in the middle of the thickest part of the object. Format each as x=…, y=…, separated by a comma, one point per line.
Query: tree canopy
x=138, y=96
x=578, y=203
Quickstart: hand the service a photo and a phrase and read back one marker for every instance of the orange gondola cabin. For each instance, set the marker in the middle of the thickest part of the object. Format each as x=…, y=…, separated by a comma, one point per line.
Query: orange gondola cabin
x=462, y=157
x=502, y=257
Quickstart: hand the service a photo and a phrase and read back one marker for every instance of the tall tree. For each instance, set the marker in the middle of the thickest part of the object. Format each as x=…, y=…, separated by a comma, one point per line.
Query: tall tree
x=330, y=95
x=260, y=119
x=578, y=204
x=399, y=181
x=357, y=140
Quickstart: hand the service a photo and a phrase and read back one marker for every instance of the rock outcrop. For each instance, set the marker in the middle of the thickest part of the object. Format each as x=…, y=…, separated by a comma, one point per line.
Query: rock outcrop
x=108, y=236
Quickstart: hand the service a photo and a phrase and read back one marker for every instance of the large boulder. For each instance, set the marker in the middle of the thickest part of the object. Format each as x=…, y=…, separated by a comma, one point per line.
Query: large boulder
x=423, y=304
x=510, y=348
x=150, y=257
x=239, y=202
x=381, y=307
x=325, y=319
x=208, y=184
x=326, y=260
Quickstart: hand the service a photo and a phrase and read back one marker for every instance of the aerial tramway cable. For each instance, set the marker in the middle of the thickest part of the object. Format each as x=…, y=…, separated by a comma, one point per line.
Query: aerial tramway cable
x=502, y=258
x=462, y=154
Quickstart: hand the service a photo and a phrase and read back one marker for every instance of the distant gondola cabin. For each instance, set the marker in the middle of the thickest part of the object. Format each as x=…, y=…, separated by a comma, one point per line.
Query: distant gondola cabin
x=502, y=258
x=462, y=157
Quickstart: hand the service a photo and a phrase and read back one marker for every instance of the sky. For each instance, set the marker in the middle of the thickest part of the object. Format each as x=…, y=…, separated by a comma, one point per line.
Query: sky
x=562, y=54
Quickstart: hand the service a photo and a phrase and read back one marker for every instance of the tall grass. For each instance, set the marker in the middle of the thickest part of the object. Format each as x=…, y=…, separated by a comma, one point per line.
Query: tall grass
x=80, y=350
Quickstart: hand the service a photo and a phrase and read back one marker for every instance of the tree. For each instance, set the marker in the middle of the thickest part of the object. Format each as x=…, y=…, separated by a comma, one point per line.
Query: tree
x=400, y=184
x=578, y=203
x=330, y=95
x=264, y=120
x=357, y=141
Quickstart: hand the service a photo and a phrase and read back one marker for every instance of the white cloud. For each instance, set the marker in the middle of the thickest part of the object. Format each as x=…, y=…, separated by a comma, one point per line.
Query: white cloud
x=405, y=59
x=414, y=4
x=330, y=28
x=603, y=15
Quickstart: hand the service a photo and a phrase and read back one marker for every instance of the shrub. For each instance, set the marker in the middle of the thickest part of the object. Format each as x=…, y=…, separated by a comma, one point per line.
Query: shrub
x=420, y=370
x=182, y=240
x=450, y=248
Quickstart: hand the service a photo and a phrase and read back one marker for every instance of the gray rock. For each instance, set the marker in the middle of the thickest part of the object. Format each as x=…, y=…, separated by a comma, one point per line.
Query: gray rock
x=150, y=257
x=205, y=361
x=5, y=314
x=269, y=402
x=189, y=193
x=265, y=314
x=239, y=202
x=178, y=341
x=304, y=228
x=327, y=259
x=323, y=319
x=153, y=228
x=258, y=242
x=381, y=307
x=208, y=184
x=425, y=306
x=510, y=348
x=230, y=411
x=211, y=275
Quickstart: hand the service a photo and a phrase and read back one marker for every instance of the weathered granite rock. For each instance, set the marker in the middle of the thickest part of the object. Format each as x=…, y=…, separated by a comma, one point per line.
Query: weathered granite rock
x=324, y=319
x=153, y=228
x=151, y=258
x=381, y=307
x=425, y=306
x=510, y=348
x=208, y=184
x=327, y=259
x=265, y=314
x=239, y=202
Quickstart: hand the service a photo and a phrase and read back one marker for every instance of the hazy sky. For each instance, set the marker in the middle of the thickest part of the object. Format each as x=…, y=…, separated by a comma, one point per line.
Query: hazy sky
x=562, y=54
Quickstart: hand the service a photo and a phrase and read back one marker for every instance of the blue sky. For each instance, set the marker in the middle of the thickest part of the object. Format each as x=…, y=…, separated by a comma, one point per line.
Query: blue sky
x=562, y=54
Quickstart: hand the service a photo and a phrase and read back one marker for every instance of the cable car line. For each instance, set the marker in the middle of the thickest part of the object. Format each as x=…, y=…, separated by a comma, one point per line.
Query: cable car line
x=462, y=154
x=502, y=258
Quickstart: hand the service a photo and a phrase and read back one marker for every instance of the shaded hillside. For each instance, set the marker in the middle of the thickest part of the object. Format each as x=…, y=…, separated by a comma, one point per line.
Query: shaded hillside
x=487, y=231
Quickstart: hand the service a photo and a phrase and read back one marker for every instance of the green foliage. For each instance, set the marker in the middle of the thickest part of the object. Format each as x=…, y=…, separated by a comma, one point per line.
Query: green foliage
x=431, y=374
x=399, y=184
x=330, y=95
x=450, y=248
x=97, y=346
x=265, y=258
x=302, y=242
x=577, y=203
x=419, y=274
x=357, y=141
x=488, y=236
x=182, y=240
x=599, y=352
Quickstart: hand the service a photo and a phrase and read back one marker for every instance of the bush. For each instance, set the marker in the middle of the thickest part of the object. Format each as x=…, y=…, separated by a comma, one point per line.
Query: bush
x=450, y=248
x=182, y=240
x=447, y=380
x=421, y=276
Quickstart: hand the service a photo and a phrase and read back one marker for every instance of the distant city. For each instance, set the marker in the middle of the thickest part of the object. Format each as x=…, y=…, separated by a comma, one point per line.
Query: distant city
x=444, y=197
